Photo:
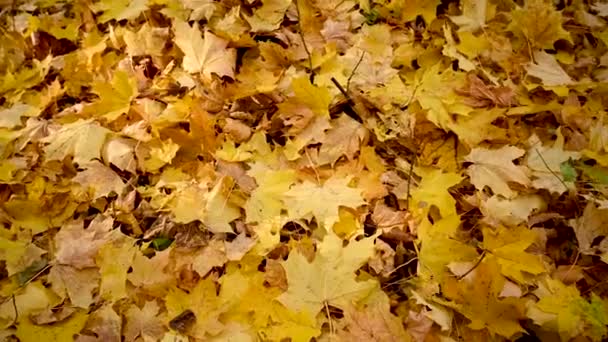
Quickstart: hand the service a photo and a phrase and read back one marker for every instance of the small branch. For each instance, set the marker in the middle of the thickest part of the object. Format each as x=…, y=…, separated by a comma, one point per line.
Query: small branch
x=409, y=183
x=552, y=172
x=312, y=73
x=353, y=113
x=483, y=255
x=354, y=70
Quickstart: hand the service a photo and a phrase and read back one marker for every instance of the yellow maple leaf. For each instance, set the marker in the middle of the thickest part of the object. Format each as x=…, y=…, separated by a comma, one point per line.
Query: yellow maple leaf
x=433, y=190
x=508, y=247
x=265, y=201
x=269, y=16
x=495, y=168
x=207, y=56
x=329, y=279
x=250, y=301
x=150, y=273
x=62, y=331
x=561, y=308
x=114, y=260
x=115, y=96
x=18, y=255
x=316, y=98
x=321, y=201
x=203, y=302
x=539, y=23
x=476, y=297
x=120, y=9
x=82, y=139
x=441, y=236
x=435, y=94
x=148, y=40
x=34, y=298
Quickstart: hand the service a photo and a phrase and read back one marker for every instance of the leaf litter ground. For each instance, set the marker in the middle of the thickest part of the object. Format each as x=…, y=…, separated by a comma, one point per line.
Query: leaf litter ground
x=272, y=170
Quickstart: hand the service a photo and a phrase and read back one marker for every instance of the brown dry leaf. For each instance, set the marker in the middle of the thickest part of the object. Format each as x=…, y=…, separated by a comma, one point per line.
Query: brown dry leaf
x=495, y=169
x=77, y=246
x=482, y=95
x=383, y=261
x=105, y=323
x=591, y=231
x=372, y=323
x=78, y=285
x=145, y=323
x=101, y=179
x=238, y=131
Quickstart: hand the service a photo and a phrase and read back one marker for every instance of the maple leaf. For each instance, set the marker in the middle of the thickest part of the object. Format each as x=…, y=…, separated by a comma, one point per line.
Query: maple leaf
x=322, y=202
x=77, y=246
x=34, y=298
x=269, y=16
x=589, y=228
x=207, y=56
x=63, y=331
x=329, y=279
x=435, y=94
x=77, y=284
x=440, y=236
x=18, y=255
x=343, y=139
x=114, y=261
x=203, y=302
x=219, y=210
x=82, y=139
x=476, y=297
x=11, y=117
x=105, y=323
x=148, y=40
x=115, y=97
x=473, y=15
x=563, y=305
x=411, y=9
x=144, y=323
x=374, y=323
x=511, y=212
x=100, y=178
x=150, y=272
x=432, y=190
x=548, y=70
x=508, y=246
x=119, y=152
x=539, y=23
x=545, y=164
x=494, y=168
x=265, y=201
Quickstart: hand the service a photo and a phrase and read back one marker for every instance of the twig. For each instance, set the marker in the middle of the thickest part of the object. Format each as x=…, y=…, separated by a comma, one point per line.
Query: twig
x=548, y=168
x=15, y=308
x=29, y=281
x=352, y=73
x=353, y=114
x=409, y=182
x=312, y=73
x=483, y=255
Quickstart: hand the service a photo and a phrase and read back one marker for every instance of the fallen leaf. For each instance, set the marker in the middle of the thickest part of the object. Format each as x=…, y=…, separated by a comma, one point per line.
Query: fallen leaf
x=495, y=169
x=206, y=55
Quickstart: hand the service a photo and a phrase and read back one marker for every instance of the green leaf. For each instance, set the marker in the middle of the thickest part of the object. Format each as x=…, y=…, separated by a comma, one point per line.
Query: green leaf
x=161, y=243
x=596, y=173
x=568, y=171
